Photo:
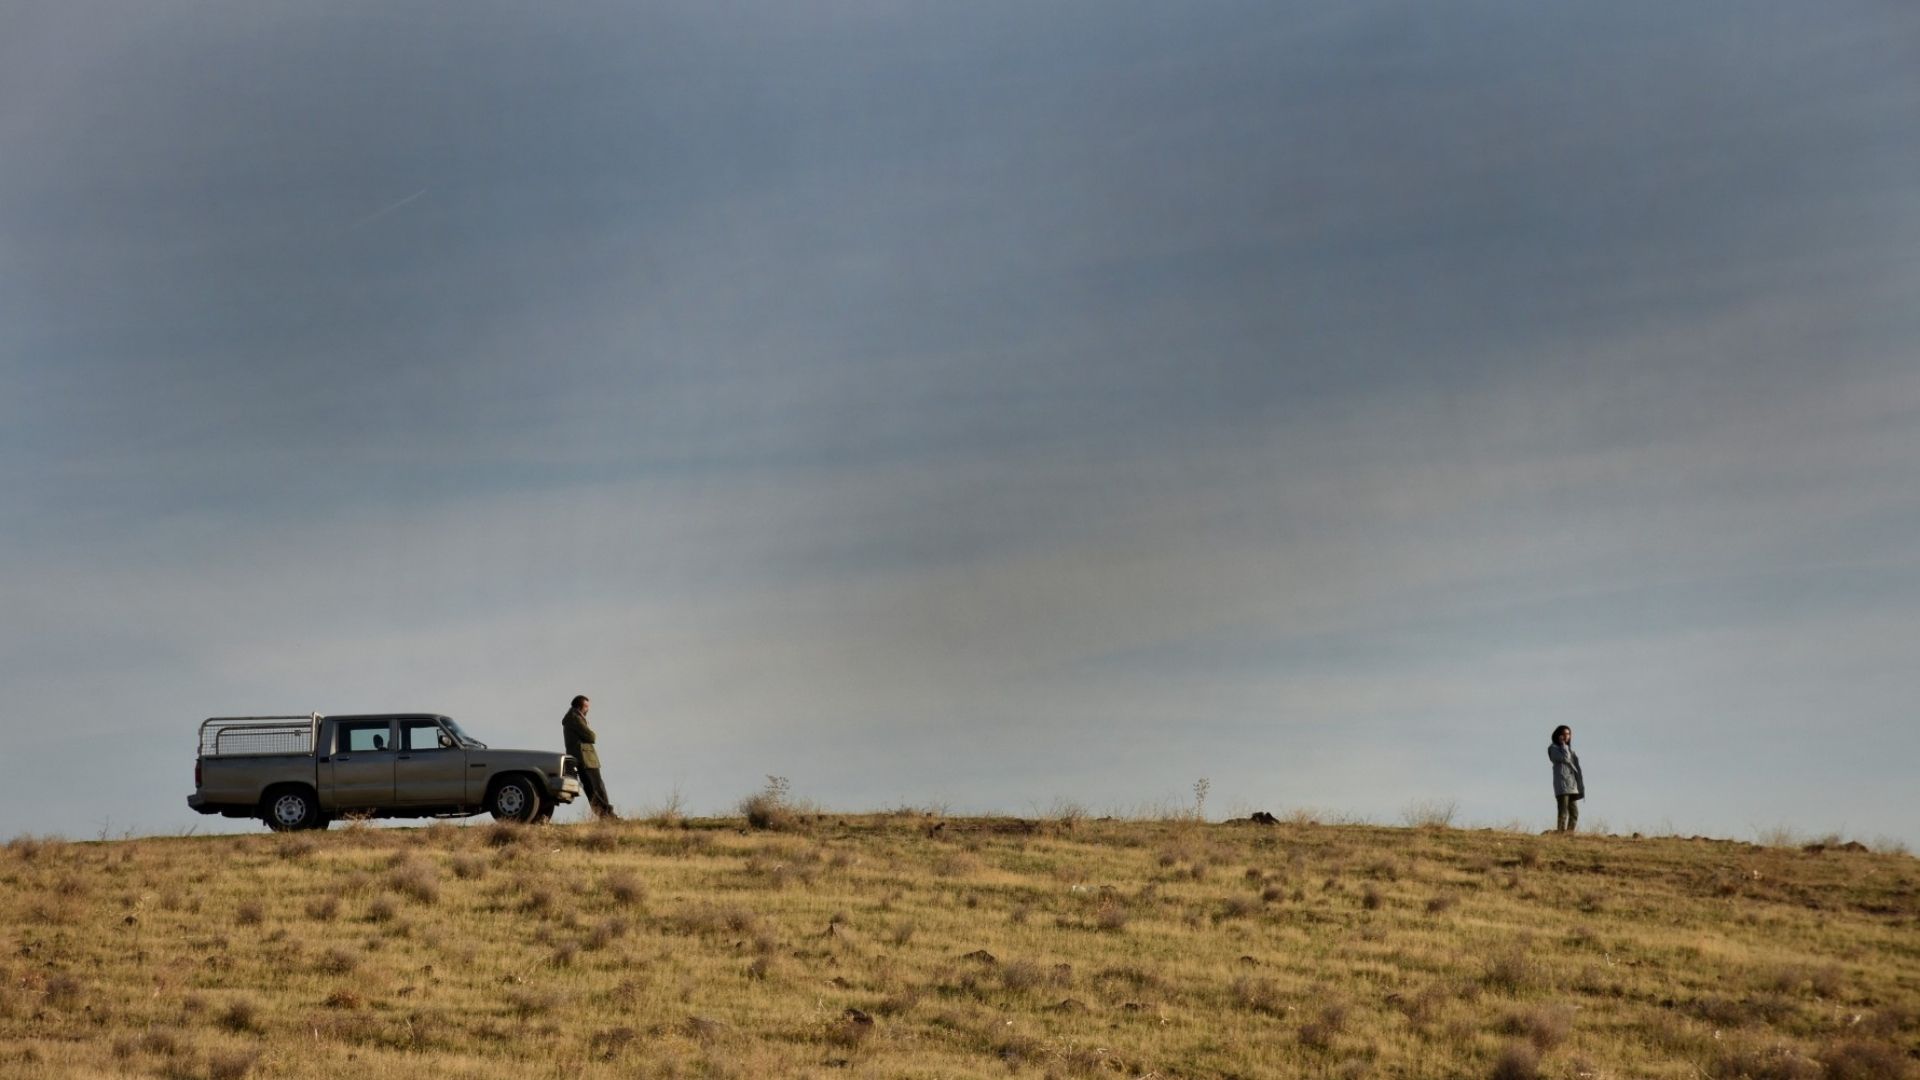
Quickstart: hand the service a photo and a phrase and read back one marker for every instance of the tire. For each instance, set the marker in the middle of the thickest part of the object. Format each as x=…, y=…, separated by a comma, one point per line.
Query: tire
x=291, y=809
x=547, y=807
x=514, y=799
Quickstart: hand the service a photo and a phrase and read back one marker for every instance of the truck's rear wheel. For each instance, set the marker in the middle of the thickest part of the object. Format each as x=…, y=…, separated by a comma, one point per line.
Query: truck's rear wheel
x=291, y=809
x=514, y=799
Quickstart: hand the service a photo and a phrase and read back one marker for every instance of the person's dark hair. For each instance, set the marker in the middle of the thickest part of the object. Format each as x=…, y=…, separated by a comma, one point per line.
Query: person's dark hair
x=578, y=699
x=1553, y=738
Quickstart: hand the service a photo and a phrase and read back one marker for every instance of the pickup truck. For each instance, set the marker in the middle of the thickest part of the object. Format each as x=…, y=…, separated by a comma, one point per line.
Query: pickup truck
x=301, y=772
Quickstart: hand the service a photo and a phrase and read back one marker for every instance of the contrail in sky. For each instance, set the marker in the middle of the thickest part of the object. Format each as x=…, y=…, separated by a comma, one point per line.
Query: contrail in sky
x=384, y=211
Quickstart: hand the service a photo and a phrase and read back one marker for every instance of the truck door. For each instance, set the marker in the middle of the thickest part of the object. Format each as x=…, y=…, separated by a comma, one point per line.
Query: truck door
x=362, y=764
x=431, y=769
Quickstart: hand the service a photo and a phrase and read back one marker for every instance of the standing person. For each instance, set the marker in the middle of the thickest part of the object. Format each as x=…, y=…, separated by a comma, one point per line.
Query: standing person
x=580, y=747
x=1569, y=786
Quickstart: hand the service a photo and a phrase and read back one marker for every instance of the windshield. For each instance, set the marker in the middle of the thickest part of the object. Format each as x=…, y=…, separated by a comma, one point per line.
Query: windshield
x=466, y=740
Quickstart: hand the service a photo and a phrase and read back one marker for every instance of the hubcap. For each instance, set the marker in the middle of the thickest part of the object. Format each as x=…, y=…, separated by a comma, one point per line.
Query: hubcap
x=511, y=800
x=289, y=809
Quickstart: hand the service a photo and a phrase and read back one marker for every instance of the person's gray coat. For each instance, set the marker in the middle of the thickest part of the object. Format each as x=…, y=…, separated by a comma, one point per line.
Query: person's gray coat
x=1567, y=778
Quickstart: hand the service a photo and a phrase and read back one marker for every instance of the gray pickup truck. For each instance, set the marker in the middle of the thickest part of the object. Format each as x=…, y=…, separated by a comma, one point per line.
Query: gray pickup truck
x=301, y=772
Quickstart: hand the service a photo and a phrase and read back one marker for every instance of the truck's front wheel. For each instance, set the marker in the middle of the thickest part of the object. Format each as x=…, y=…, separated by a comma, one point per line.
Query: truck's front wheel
x=291, y=809
x=514, y=799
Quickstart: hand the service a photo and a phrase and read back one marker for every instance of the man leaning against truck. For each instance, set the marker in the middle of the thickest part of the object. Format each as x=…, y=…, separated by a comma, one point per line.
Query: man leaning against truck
x=580, y=747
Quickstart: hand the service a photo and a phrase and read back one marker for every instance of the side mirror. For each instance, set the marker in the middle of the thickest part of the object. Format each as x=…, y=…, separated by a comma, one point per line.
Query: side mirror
x=446, y=741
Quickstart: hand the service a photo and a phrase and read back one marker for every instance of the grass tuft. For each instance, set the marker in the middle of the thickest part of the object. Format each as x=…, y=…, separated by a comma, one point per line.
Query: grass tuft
x=1518, y=1061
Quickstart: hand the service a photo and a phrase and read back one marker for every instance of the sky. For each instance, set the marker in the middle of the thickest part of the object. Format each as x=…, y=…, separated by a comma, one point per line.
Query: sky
x=994, y=406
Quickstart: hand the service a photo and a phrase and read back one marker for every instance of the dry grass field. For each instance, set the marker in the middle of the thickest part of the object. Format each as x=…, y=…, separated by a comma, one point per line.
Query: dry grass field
x=903, y=945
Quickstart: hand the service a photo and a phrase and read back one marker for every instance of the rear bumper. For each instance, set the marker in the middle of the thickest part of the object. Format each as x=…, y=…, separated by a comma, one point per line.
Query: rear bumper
x=199, y=804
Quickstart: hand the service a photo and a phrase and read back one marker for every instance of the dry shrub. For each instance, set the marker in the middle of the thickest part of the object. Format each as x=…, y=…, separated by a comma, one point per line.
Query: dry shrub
x=1319, y=1033
x=1018, y=976
x=160, y=1043
x=468, y=867
x=416, y=880
x=603, y=837
x=1753, y=1010
x=1371, y=898
x=381, y=910
x=608, y=1045
x=323, y=909
x=625, y=889
x=1861, y=1060
x=900, y=1002
x=537, y=900
x=1012, y=1046
x=1440, y=905
x=778, y=873
x=713, y=919
x=606, y=932
x=63, y=991
x=1826, y=981
x=337, y=961
x=1529, y=856
x=250, y=913
x=531, y=1003
x=1510, y=970
x=343, y=998
x=506, y=833
x=1544, y=1026
x=231, y=1065
x=242, y=1015
x=902, y=933
x=1519, y=1061
x=1235, y=907
x=1130, y=979
x=1430, y=814
x=1768, y=1063
x=1423, y=1008
x=1383, y=870
x=1111, y=917
x=772, y=807
x=1257, y=995
x=295, y=847
x=1273, y=893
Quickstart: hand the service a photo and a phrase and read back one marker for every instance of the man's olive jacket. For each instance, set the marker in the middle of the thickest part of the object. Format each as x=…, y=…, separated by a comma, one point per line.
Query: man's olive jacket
x=580, y=739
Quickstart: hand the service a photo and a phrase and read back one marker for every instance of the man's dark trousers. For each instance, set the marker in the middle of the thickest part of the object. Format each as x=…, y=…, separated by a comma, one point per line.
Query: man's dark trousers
x=596, y=791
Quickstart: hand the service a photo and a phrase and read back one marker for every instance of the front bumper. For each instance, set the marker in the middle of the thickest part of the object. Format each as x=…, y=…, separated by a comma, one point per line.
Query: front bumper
x=568, y=789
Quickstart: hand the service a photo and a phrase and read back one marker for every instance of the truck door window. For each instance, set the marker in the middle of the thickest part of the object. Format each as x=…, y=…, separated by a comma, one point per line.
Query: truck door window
x=363, y=737
x=420, y=735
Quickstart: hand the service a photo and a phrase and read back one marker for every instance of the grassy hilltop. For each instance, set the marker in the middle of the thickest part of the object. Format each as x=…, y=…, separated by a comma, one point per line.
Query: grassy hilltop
x=904, y=946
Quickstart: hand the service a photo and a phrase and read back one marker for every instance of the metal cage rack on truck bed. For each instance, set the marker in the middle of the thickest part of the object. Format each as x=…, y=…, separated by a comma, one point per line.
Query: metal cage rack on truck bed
x=243, y=736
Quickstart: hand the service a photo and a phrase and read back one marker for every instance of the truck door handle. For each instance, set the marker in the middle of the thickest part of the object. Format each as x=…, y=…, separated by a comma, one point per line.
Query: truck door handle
x=481, y=765
x=406, y=757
